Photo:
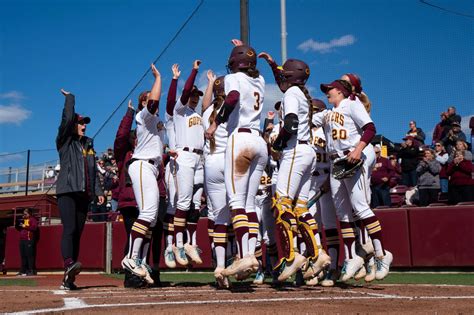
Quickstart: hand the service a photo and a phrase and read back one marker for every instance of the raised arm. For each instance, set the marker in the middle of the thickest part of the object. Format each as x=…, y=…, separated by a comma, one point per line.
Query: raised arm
x=188, y=86
x=155, y=94
x=122, y=144
x=66, y=128
x=171, y=99
x=277, y=71
x=207, y=99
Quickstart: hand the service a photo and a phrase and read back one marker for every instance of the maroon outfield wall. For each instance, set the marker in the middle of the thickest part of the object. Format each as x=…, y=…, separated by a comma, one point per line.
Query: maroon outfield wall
x=418, y=237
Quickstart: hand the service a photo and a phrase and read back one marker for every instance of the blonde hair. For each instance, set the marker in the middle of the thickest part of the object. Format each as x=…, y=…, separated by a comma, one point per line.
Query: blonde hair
x=365, y=100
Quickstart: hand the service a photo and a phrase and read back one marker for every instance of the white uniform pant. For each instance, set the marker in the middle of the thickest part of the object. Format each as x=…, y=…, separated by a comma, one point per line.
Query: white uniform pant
x=145, y=188
x=352, y=194
x=245, y=159
x=198, y=184
x=187, y=163
x=170, y=181
x=294, y=175
x=323, y=210
x=215, y=188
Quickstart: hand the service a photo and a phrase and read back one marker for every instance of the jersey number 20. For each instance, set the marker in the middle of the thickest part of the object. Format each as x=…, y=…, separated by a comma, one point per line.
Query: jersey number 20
x=257, y=101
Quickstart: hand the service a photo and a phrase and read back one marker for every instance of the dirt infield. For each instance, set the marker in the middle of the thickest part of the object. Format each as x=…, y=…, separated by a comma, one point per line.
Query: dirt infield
x=102, y=294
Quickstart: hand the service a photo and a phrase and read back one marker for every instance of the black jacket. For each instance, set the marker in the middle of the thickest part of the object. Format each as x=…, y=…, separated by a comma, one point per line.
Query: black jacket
x=74, y=155
x=409, y=156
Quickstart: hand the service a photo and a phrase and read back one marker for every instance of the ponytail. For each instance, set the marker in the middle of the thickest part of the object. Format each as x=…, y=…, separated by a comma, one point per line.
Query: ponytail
x=365, y=100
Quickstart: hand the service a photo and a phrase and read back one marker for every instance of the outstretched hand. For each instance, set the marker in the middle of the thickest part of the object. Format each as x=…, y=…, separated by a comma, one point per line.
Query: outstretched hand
x=130, y=105
x=196, y=64
x=64, y=92
x=211, y=76
x=237, y=42
x=266, y=56
x=176, y=71
x=155, y=71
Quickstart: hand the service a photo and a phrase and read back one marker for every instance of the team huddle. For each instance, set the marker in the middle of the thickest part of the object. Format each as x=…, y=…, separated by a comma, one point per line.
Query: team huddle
x=273, y=188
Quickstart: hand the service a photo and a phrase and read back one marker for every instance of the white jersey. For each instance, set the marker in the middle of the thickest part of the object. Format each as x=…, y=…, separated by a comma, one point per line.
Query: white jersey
x=149, y=145
x=295, y=102
x=319, y=145
x=343, y=125
x=188, y=127
x=246, y=113
x=221, y=136
x=170, y=133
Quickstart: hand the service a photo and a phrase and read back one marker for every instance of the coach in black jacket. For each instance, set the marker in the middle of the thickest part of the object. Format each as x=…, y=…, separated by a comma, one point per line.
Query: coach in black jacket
x=77, y=185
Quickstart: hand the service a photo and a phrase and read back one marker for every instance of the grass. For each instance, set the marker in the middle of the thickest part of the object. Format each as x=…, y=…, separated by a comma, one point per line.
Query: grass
x=18, y=282
x=393, y=278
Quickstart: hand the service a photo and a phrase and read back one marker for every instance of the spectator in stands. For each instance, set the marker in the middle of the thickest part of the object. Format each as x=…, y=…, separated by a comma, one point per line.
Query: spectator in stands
x=460, y=146
x=49, y=172
x=461, y=184
x=380, y=180
x=428, y=178
x=396, y=171
x=417, y=134
x=452, y=116
x=409, y=161
x=99, y=210
x=455, y=134
x=28, y=227
x=442, y=157
x=438, y=132
x=77, y=185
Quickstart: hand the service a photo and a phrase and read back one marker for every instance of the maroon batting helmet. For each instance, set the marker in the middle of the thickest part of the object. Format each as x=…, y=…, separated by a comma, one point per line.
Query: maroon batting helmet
x=295, y=71
x=241, y=58
x=318, y=105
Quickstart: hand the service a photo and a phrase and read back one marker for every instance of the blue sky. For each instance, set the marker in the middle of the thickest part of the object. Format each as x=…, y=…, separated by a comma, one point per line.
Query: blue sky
x=414, y=60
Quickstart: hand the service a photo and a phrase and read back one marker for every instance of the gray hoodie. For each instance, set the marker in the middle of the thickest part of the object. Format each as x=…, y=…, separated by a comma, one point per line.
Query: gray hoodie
x=428, y=174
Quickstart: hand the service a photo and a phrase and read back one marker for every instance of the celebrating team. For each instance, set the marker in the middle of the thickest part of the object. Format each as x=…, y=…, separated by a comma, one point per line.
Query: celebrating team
x=223, y=153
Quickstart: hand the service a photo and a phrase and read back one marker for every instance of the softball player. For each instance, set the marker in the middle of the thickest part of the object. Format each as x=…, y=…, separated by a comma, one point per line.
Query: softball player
x=349, y=129
x=297, y=163
x=189, y=135
x=323, y=209
x=143, y=172
x=170, y=170
x=214, y=152
x=246, y=152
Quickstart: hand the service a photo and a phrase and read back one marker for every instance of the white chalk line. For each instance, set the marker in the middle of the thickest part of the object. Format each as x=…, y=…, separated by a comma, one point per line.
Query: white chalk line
x=75, y=303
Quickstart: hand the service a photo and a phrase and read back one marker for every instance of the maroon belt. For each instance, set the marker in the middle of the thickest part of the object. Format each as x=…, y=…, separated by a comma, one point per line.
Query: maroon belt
x=303, y=142
x=197, y=151
x=247, y=130
x=335, y=155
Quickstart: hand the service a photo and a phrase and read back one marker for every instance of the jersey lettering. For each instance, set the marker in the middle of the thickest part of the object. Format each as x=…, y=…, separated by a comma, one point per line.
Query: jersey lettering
x=265, y=180
x=193, y=121
x=321, y=157
x=336, y=117
x=339, y=134
x=257, y=101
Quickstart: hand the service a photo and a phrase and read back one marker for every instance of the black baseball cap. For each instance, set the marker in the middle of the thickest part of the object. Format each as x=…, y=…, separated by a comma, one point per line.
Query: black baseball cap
x=80, y=118
x=195, y=90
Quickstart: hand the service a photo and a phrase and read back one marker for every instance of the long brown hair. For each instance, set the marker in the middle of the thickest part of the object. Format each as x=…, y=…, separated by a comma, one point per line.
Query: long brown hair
x=217, y=104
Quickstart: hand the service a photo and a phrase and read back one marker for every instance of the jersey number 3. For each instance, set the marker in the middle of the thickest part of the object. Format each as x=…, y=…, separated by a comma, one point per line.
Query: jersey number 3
x=257, y=101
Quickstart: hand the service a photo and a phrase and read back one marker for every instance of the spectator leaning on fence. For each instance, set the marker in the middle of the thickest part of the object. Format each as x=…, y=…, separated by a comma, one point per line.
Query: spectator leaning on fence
x=442, y=157
x=409, y=161
x=380, y=180
x=77, y=185
x=28, y=227
x=417, y=134
x=461, y=184
x=428, y=178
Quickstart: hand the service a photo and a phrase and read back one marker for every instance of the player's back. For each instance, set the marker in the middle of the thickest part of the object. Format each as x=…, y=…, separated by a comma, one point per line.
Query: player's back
x=249, y=107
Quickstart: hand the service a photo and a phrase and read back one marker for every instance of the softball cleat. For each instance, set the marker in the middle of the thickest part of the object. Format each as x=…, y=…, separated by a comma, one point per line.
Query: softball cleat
x=170, y=261
x=350, y=267
x=134, y=266
x=180, y=255
x=330, y=278
x=193, y=252
x=221, y=280
x=314, y=269
x=289, y=269
x=259, y=278
x=360, y=274
x=382, y=265
x=370, y=266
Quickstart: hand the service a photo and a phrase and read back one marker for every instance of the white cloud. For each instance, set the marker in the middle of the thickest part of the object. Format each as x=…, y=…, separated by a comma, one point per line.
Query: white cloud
x=13, y=114
x=325, y=47
x=12, y=95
